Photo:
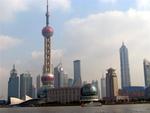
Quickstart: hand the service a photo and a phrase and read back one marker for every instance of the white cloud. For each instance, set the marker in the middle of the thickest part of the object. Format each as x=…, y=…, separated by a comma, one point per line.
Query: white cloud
x=9, y=8
x=60, y=4
x=96, y=41
x=143, y=4
x=57, y=54
x=139, y=4
x=36, y=54
x=7, y=42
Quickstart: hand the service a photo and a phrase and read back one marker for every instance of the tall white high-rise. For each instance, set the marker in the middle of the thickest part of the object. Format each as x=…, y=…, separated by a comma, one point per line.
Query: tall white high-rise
x=58, y=76
x=103, y=87
x=146, y=65
x=77, y=74
x=124, y=63
x=95, y=83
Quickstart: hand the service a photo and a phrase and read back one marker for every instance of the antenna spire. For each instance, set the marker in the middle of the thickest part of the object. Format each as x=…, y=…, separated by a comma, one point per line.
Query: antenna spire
x=47, y=15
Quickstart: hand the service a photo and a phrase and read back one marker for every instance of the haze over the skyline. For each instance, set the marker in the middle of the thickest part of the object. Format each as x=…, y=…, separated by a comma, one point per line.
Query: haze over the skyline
x=91, y=30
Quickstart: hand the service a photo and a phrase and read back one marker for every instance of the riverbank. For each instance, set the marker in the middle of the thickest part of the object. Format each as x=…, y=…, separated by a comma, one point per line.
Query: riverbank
x=56, y=104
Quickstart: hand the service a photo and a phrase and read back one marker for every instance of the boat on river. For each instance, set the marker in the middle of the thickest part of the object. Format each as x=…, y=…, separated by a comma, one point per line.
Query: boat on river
x=91, y=104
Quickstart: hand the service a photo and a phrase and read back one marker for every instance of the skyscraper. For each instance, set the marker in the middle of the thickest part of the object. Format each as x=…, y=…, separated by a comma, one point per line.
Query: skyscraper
x=146, y=65
x=124, y=63
x=95, y=83
x=47, y=32
x=58, y=76
x=25, y=85
x=103, y=87
x=13, y=84
x=70, y=82
x=65, y=80
x=38, y=85
x=34, y=95
x=38, y=82
x=77, y=74
x=111, y=83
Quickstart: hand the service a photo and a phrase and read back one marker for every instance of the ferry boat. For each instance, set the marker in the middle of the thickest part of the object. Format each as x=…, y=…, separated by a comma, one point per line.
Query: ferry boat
x=91, y=104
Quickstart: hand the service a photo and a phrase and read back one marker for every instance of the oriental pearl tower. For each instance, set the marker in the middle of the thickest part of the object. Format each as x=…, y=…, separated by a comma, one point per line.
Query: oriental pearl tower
x=47, y=32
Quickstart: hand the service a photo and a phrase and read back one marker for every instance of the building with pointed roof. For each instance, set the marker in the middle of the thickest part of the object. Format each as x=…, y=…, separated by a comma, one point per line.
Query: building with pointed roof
x=13, y=84
x=124, y=66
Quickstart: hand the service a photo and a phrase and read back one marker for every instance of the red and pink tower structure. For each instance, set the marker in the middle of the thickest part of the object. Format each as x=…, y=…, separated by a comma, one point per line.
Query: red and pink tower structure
x=47, y=32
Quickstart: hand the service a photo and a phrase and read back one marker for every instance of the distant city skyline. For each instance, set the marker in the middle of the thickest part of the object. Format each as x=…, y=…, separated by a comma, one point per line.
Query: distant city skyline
x=93, y=35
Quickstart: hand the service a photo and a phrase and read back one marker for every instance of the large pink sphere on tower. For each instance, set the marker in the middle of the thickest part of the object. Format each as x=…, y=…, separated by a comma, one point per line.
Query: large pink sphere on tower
x=47, y=79
x=47, y=31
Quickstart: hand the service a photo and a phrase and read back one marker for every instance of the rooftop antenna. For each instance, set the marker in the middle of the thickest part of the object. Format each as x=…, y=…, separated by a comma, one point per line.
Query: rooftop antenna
x=47, y=15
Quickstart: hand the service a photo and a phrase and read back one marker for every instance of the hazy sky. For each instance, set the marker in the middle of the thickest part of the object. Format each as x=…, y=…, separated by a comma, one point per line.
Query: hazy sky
x=89, y=30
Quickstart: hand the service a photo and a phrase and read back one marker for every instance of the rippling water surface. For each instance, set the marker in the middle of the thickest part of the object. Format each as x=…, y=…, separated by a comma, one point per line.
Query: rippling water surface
x=143, y=108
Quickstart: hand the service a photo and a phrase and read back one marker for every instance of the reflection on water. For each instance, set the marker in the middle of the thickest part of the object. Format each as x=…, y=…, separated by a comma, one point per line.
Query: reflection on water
x=143, y=108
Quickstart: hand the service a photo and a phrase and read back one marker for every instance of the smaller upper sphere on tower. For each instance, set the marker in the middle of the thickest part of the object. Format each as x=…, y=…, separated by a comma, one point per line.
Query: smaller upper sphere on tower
x=47, y=31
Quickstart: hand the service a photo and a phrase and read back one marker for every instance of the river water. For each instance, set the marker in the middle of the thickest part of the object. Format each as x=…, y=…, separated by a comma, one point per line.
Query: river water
x=136, y=108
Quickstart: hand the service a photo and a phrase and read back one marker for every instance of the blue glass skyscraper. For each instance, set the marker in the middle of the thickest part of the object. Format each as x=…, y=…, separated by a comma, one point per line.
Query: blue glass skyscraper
x=77, y=74
x=124, y=63
x=25, y=85
x=13, y=84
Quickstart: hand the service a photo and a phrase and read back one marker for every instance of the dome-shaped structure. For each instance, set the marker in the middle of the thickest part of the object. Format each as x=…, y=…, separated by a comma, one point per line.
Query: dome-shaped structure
x=47, y=31
x=88, y=90
x=89, y=93
x=47, y=79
